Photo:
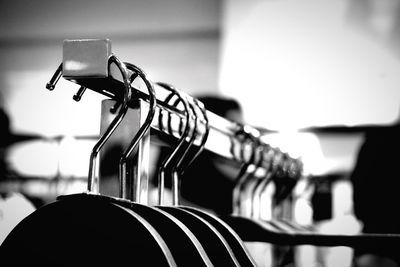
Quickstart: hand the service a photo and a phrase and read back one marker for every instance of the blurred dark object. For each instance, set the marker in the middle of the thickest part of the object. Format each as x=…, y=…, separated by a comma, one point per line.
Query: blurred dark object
x=376, y=184
x=225, y=107
x=14, y=206
x=343, y=129
x=9, y=138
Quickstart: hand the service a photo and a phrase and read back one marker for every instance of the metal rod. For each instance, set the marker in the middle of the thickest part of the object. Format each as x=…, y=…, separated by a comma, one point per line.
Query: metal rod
x=222, y=132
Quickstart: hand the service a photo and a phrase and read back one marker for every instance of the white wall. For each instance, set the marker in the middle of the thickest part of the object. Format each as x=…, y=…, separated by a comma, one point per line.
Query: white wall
x=296, y=64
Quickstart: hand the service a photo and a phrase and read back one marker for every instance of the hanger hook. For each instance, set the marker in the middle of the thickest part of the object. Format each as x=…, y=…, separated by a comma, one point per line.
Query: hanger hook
x=269, y=155
x=198, y=107
x=93, y=180
x=142, y=130
x=178, y=167
x=165, y=165
x=252, y=183
x=174, y=172
x=241, y=177
x=247, y=181
x=169, y=130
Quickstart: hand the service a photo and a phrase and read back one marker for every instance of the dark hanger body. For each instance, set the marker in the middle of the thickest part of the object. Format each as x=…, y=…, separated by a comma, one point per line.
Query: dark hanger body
x=85, y=230
x=184, y=245
x=214, y=243
x=233, y=239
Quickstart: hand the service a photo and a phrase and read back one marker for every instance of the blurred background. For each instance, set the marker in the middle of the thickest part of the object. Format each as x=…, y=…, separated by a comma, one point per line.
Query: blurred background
x=317, y=72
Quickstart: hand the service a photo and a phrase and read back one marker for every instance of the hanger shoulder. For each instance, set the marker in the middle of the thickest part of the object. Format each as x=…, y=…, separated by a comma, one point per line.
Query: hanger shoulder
x=85, y=230
x=183, y=244
x=233, y=239
x=215, y=244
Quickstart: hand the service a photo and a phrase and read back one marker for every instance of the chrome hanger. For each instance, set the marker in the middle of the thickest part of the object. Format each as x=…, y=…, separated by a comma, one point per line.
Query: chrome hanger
x=141, y=132
x=248, y=140
x=168, y=163
x=214, y=243
x=234, y=245
x=248, y=185
x=260, y=187
x=93, y=179
x=266, y=187
x=182, y=244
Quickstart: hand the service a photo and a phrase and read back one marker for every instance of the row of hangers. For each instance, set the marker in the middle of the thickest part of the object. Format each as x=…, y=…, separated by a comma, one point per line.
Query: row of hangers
x=90, y=228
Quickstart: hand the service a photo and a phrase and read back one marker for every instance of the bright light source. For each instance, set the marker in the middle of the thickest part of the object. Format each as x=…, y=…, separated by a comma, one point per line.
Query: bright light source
x=295, y=64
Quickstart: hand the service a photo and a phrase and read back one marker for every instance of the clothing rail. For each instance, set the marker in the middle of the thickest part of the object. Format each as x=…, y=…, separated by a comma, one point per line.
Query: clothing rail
x=85, y=62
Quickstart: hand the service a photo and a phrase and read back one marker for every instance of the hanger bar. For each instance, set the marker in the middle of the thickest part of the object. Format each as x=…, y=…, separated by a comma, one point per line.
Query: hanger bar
x=85, y=62
x=221, y=130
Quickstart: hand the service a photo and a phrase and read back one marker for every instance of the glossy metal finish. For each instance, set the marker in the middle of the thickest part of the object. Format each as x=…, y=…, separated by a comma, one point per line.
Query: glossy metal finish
x=222, y=133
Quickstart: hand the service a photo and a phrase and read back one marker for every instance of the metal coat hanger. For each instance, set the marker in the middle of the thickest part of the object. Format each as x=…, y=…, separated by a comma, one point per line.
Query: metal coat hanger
x=248, y=185
x=143, y=130
x=184, y=246
x=244, y=191
x=244, y=172
x=266, y=186
x=237, y=247
x=215, y=244
x=260, y=188
x=212, y=241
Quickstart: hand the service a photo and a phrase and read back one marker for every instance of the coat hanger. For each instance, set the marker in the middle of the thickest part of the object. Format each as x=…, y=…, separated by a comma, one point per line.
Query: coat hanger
x=241, y=221
x=143, y=130
x=87, y=223
x=266, y=187
x=287, y=233
x=237, y=247
x=248, y=185
x=249, y=141
x=184, y=246
x=284, y=183
x=212, y=241
x=261, y=187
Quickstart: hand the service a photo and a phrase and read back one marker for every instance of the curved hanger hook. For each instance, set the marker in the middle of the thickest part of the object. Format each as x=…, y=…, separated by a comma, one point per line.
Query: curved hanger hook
x=178, y=167
x=200, y=107
x=270, y=176
x=178, y=159
x=248, y=181
x=93, y=180
x=252, y=181
x=243, y=170
x=142, y=130
x=262, y=183
x=167, y=162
